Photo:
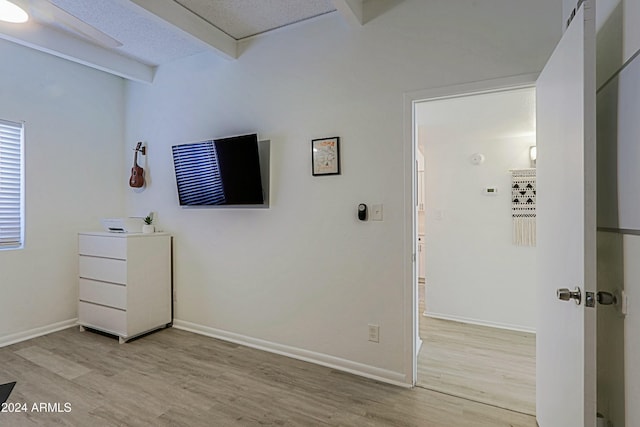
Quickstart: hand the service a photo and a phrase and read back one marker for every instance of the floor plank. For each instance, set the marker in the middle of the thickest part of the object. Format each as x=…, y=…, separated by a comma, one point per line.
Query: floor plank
x=177, y=378
x=484, y=364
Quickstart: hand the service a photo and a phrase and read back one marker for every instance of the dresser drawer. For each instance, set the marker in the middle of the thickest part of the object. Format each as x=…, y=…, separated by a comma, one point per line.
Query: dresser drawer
x=101, y=246
x=103, y=269
x=103, y=318
x=108, y=294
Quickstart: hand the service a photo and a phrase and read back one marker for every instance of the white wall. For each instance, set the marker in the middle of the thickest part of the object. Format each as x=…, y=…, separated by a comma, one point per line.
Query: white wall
x=74, y=129
x=306, y=274
x=619, y=207
x=473, y=268
x=631, y=254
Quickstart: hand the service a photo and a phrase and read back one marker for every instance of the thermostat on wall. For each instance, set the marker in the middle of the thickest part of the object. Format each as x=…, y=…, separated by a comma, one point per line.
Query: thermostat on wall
x=490, y=191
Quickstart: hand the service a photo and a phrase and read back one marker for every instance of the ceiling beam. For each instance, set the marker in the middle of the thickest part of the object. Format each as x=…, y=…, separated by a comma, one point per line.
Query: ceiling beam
x=168, y=11
x=351, y=10
x=58, y=43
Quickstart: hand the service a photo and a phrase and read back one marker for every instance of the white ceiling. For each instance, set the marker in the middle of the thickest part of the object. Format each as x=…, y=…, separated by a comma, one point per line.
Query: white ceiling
x=141, y=36
x=245, y=18
x=130, y=38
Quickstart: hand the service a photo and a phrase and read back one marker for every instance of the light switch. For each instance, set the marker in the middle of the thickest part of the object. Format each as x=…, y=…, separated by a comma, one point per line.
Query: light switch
x=376, y=212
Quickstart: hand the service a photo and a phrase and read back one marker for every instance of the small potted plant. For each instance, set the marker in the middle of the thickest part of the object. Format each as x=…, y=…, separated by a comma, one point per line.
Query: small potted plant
x=148, y=227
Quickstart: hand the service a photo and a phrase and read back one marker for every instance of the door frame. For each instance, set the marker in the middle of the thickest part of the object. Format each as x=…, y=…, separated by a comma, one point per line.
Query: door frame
x=410, y=195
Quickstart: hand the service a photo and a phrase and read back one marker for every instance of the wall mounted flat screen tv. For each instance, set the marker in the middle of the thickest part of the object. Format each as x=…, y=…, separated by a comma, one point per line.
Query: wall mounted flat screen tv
x=219, y=172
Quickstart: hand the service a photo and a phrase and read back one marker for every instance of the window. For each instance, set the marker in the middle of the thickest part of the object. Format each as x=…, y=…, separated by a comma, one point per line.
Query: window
x=11, y=185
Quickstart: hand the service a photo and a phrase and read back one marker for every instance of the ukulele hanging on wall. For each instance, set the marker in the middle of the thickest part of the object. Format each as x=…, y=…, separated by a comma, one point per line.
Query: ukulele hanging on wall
x=137, y=173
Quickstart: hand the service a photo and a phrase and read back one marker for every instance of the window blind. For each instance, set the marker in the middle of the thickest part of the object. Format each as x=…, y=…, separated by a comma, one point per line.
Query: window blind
x=198, y=174
x=11, y=206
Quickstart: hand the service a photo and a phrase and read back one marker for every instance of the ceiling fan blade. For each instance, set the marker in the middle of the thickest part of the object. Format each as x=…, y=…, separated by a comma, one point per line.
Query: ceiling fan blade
x=47, y=11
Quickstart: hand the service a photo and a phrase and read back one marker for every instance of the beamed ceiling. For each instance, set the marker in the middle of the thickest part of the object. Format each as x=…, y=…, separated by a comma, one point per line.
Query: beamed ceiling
x=130, y=38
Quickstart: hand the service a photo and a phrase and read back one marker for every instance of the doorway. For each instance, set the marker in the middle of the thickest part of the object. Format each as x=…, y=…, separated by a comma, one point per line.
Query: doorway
x=474, y=339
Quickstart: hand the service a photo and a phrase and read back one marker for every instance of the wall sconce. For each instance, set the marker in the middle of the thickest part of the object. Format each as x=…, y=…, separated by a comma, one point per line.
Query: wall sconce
x=533, y=155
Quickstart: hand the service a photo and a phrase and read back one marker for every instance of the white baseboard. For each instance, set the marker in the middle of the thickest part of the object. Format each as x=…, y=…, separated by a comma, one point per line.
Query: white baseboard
x=481, y=322
x=37, y=332
x=378, y=374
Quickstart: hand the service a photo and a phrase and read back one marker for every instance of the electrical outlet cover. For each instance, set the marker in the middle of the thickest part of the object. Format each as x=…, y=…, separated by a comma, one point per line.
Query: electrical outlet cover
x=374, y=333
x=376, y=212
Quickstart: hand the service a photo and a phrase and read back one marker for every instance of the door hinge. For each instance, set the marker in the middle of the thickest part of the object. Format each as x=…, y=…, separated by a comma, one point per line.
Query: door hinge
x=573, y=12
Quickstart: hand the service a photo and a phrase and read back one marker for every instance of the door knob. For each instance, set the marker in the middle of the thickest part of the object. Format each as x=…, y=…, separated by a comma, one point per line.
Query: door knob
x=565, y=294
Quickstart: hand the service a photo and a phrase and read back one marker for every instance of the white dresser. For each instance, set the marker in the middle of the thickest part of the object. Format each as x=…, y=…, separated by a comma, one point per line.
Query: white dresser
x=124, y=283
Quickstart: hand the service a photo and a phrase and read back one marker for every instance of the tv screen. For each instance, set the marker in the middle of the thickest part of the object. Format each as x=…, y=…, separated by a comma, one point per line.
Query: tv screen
x=219, y=172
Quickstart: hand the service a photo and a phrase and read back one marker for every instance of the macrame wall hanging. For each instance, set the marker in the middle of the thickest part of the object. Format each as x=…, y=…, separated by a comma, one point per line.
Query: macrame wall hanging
x=523, y=206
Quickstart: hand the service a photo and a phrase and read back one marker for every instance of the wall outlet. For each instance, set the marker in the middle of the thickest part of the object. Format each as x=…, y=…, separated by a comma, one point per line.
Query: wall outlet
x=374, y=333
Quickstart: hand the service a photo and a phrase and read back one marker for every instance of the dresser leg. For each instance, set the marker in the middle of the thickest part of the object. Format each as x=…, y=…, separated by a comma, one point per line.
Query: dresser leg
x=122, y=340
x=81, y=328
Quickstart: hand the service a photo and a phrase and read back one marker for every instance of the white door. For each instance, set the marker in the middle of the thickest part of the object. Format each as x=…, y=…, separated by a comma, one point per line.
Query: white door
x=566, y=227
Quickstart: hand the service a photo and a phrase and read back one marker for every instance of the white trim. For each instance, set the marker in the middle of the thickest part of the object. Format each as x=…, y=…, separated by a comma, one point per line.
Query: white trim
x=193, y=26
x=58, y=43
x=333, y=362
x=351, y=10
x=37, y=332
x=410, y=234
x=498, y=325
x=473, y=88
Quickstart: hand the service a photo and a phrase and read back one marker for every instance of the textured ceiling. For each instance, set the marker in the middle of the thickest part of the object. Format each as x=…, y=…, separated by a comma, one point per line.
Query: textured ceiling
x=153, y=42
x=245, y=18
x=129, y=38
x=141, y=35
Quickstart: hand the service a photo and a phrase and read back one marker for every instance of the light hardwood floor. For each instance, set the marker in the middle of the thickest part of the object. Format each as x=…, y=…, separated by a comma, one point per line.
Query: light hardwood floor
x=488, y=365
x=177, y=378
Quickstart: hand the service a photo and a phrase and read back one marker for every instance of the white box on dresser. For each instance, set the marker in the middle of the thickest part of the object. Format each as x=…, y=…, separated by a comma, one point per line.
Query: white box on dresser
x=124, y=282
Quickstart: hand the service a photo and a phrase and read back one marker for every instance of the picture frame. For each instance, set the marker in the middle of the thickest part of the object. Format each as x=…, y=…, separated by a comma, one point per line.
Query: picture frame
x=325, y=156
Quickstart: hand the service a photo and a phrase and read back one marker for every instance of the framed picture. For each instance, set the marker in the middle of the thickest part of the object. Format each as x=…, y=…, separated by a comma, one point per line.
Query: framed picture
x=325, y=156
